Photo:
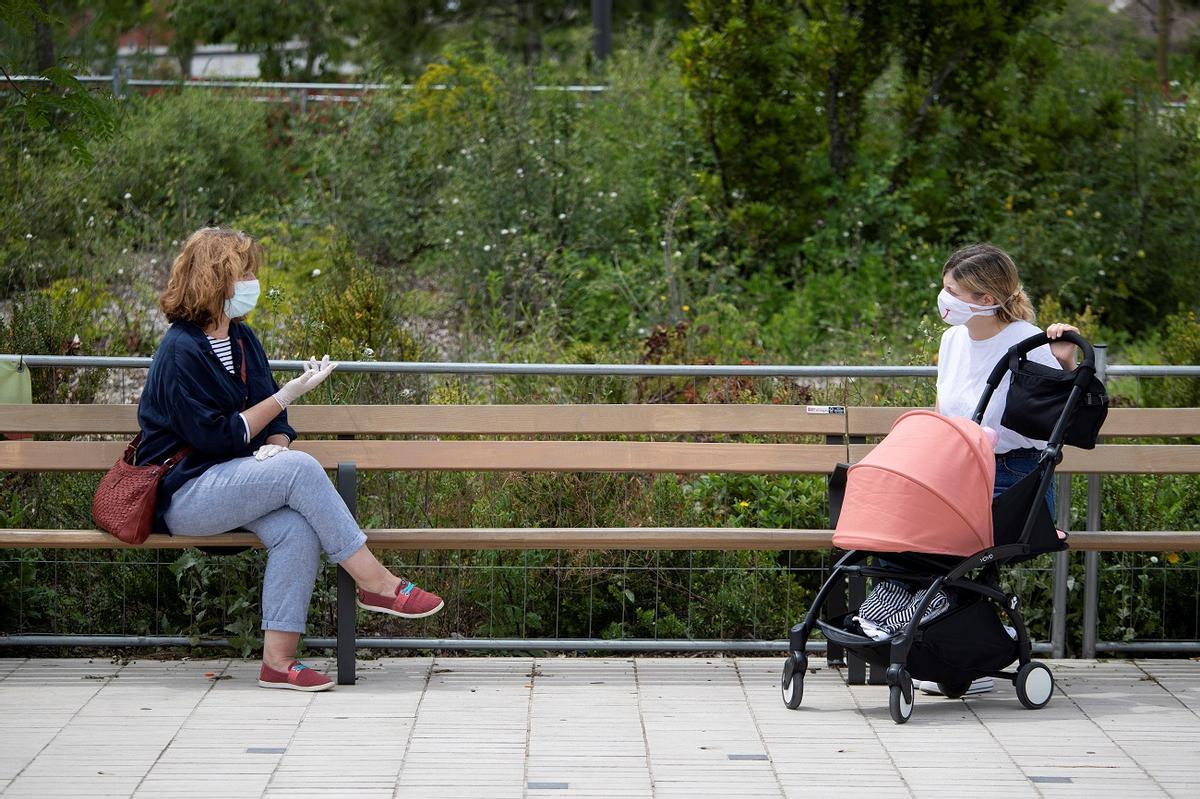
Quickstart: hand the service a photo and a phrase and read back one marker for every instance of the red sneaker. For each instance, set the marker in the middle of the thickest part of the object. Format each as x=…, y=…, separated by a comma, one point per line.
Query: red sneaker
x=298, y=677
x=409, y=601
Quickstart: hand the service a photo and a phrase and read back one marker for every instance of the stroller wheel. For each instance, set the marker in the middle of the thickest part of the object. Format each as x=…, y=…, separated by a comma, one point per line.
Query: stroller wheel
x=1034, y=685
x=900, y=697
x=792, y=684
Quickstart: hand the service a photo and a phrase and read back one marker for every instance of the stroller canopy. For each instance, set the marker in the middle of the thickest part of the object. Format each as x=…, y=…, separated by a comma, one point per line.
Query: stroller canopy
x=927, y=487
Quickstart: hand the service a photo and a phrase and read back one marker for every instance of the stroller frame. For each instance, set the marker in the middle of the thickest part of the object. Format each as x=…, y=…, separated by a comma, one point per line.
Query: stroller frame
x=911, y=649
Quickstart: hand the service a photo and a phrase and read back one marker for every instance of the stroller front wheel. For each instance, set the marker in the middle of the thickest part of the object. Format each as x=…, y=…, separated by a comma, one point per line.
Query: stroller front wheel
x=900, y=694
x=792, y=684
x=1034, y=685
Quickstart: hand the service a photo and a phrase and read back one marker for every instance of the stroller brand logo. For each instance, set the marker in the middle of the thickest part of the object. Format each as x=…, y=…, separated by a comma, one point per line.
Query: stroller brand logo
x=987, y=558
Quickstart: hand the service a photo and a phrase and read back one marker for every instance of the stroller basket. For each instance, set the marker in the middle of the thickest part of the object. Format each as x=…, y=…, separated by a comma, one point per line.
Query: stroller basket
x=960, y=645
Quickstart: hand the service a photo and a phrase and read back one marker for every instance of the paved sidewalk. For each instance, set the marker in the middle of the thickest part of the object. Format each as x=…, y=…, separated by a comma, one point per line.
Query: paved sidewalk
x=571, y=727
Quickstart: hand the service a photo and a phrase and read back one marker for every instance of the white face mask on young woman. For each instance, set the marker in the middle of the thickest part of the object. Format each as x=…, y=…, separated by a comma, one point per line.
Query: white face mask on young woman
x=956, y=312
x=245, y=297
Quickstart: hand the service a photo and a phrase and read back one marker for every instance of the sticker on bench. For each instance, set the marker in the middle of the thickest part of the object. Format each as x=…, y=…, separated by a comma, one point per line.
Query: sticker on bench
x=827, y=409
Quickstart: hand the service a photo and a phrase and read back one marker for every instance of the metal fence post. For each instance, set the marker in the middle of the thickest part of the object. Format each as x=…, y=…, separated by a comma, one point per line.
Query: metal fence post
x=346, y=607
x=602, y=28
x=1062, y=564
x=1091, y=560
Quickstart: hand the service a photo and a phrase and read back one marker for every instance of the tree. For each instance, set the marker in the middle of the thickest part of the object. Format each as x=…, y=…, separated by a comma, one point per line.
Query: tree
x=62, y=106
x=265, y=26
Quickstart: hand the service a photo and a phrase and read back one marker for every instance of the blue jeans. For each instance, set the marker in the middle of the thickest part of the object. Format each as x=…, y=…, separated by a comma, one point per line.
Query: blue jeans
x=1011, y=466
x=290, y=504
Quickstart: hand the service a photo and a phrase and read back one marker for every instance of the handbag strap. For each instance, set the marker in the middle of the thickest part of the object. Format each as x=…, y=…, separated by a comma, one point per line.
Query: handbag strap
x=242, y=346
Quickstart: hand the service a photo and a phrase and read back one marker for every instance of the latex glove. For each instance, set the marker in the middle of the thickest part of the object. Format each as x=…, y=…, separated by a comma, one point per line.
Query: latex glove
x=314, y=374
x=268, y=451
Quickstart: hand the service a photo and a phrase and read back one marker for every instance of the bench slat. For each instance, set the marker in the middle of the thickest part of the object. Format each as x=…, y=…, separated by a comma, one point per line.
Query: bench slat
x=1125, y=422
x=581, y=538
x=465, y=419
x=1113, y=459
x=596, y=456
x=566, y=420
x=545, y=456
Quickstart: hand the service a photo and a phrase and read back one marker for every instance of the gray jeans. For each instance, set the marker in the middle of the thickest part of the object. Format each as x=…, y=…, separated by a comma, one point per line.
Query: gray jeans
x=293, y=508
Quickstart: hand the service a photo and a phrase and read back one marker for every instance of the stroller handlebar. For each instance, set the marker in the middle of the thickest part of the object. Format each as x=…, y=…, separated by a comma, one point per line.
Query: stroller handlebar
x=1085, y=369
x=1038, y=339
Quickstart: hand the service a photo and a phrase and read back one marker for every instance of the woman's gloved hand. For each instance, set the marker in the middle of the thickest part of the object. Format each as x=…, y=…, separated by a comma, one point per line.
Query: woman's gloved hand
x=268, y=451
x=314, y=374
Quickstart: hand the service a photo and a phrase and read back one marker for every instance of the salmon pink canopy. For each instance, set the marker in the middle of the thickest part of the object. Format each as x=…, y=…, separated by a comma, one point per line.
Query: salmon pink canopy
x=927, y=487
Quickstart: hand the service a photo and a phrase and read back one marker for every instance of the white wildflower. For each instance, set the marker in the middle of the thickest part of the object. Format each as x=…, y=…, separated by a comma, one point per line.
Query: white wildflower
x=316, y=273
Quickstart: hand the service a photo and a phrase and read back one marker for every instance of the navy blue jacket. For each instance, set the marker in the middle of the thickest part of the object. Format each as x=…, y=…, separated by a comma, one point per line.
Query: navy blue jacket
x=191, y=400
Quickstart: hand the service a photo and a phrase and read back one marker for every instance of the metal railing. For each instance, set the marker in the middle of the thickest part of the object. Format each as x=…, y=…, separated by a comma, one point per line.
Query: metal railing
x=299, y=92
x=1056, y=646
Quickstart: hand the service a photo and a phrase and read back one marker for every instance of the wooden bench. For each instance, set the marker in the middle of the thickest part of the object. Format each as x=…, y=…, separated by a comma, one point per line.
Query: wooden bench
x=364, y=444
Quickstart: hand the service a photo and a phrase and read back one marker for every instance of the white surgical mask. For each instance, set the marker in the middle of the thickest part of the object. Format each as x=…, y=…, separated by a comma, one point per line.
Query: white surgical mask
x=956, y=312
x=245, y=297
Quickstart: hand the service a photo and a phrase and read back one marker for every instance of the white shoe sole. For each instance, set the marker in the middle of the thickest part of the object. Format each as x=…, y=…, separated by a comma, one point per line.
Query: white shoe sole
x=288, y=686
x=391, y=612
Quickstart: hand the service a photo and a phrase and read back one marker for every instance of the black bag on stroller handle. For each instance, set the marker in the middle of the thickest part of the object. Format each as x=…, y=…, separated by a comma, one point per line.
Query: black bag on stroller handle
x=1050, y=404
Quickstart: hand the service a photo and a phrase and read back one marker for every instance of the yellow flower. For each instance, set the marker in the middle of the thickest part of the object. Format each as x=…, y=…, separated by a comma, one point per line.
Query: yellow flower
x=1070, y=212
x=1141, y=253
x=1008, y=203
x=687, y=308
x=1172, y=558
x=744, y=504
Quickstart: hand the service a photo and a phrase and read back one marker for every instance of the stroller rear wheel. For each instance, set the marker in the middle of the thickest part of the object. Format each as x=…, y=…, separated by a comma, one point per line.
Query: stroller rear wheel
x=1034, y=685
x=900, y=694
x=792, y=684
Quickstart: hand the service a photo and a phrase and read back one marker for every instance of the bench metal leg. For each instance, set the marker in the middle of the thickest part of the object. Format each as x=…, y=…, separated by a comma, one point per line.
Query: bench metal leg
x=346, y=608
x=835, y=655
x=856, y=667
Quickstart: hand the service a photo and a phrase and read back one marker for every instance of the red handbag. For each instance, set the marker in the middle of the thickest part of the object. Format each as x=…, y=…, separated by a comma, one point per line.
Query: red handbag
x=127, y=494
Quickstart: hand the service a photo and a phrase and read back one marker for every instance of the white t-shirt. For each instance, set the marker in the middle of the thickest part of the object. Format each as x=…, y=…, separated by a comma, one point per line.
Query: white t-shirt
x=963, y=368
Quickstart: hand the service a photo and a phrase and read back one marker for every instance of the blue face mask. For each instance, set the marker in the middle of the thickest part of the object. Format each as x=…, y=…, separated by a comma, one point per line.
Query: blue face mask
x=245, y=297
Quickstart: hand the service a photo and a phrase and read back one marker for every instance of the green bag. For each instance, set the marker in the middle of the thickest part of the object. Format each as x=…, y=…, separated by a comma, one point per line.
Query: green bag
x=15, y=386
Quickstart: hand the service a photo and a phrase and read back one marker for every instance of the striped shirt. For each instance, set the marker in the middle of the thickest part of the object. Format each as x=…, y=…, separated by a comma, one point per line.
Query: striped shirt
x=224, y=349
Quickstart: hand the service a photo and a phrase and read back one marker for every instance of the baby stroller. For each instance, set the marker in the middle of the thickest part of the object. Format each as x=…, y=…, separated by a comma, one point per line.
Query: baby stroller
x=923, y=498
